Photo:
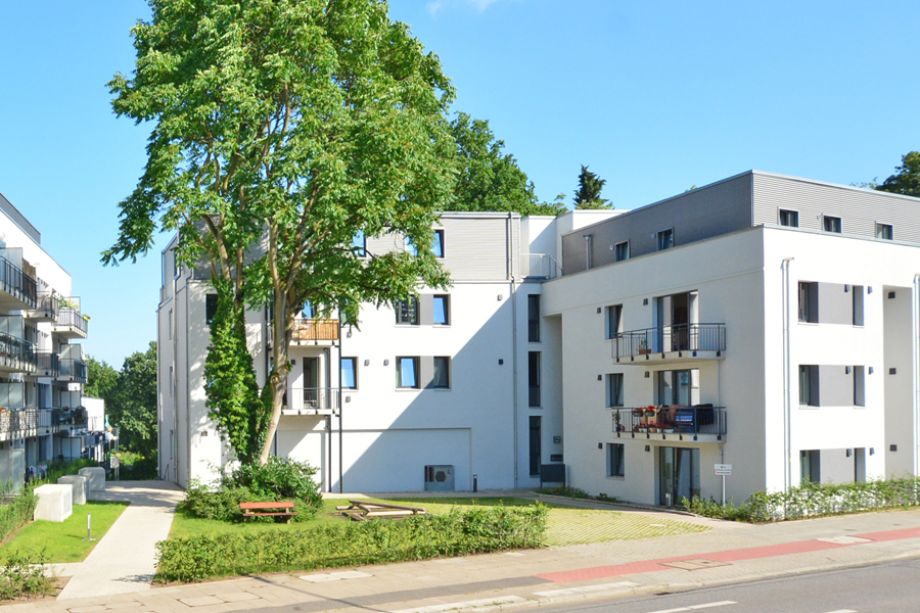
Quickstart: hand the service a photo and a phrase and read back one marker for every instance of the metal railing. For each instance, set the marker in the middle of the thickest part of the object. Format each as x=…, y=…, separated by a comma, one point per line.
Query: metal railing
x=17, y=354
x=71, y=317
x=48, y=364
x=48, y=303
x=73, y=368
x=311, y=399
x=17, y=283
x=23, y=420
x=677, y=419
x=315, y=330
x=665, y=339
x=69, y=417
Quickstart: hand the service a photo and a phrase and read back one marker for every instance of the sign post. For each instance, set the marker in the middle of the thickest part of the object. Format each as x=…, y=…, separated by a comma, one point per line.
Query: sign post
x=723, y=470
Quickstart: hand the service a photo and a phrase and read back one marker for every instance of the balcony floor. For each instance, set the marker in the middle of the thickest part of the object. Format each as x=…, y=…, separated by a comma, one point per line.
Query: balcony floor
x=677, y=437
x=670, y=357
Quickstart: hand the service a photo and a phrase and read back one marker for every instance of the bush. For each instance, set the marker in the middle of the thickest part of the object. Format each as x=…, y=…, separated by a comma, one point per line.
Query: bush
x=222, y=504
x=136, y=466
x=349, y=544
x=23, y=576
x=16, y=510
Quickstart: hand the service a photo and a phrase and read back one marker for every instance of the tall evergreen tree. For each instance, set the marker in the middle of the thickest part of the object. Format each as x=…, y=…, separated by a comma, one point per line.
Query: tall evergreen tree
x=588, y=194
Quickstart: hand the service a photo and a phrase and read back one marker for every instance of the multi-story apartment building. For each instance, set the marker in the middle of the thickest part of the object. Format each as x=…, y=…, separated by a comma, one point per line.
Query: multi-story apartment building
x=42, y=370
x=764, y=322
x=446, y=391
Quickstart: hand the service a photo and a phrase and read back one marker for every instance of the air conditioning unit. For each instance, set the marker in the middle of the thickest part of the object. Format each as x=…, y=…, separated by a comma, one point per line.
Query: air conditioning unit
x=439, y=478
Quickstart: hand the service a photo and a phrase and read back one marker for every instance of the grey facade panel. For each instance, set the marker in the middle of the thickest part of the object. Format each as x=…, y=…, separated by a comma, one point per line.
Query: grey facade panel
x=836, y=385
x=859, y=210
x=835, y=303
x=695, y=215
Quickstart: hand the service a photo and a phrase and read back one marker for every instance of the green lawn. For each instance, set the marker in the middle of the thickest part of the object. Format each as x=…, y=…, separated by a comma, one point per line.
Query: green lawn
x=566, y=525
x=66, y=541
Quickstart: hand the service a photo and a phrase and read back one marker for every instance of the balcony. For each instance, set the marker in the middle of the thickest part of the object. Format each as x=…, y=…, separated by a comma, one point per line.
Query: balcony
x=310, y=401
x=47, y=365
x=703, y=423
x=17, y=289
x=47, y=304
x=314, y=331
x=69, y=323
x=72, y=370
x=17, y=354
x=24, y=423
x=670, y=344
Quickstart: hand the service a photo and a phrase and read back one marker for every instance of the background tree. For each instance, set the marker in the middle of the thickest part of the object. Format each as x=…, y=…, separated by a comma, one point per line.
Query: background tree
x=134, y=404
x=102, y=379
x=906, y=179
x=281, y=130
x=588, y=194
x=489, y=179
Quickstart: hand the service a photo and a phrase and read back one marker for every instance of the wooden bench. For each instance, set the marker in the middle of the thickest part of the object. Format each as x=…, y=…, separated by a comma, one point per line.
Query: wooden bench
x=281, y=509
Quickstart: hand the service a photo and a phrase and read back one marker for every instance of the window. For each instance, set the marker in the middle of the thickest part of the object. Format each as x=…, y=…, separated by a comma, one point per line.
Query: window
x=535, y=448
x=613, y=320
x=441, y=377
x=441, y=304
x=407, y=311
x=884, y=231
x=171, y=324
x=665, y=239
x=407, y=372
x=615, y=390
x=359, y=244
x=533, y=318
x=411, y=249
x=437, y=247
x=533, y=378
x=307, y=312
x=832, y=224
x=859, y=386
x=808, y=386
x=810, y=460
x=350, y=373
x=210, y=308
x=789, y=218
x=616, y=453
x=589, y=251
x=808, y=302
x=621, y=251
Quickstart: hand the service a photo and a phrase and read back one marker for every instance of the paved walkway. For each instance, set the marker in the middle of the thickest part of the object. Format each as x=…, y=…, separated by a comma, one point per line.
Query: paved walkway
x=123, y=560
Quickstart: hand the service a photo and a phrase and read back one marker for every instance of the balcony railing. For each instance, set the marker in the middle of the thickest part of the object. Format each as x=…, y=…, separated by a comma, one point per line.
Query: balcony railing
x=69, y=317
x=23, y=421
x=48, y=365
x=311, y=400
x=47, y=305
x=73, y=369
x=16, y=354
x=680, y=422
x=688, y=339
x=17, y=283
x=540, y=265
x=315, y=330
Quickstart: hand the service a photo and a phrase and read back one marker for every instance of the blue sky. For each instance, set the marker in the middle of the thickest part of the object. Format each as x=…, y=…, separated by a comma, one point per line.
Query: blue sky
x=655, y=96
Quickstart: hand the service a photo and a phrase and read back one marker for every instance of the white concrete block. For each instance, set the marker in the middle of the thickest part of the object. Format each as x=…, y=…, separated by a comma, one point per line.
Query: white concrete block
x=95, y=479
x=78, y=482
x=55, y=502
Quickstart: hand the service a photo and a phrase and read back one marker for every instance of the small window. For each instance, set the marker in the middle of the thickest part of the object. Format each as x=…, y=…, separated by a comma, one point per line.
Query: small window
x=859, y=386
x=441, y=377
x=437, y=247
x=407, y=311
x=789, y=218
x=808, y=302
x=411, y=249
x=307, y=312
x=884, y=231
x=808, y=385
x=533, y=378
x=613, y=320
x=621, y=251
x=407, y=372
x=359, y=244
x=615, y=460
x=441, y=304
x=832, y=224
x=210, y=308
x=350, y=373
x=533, y=318
x=589, y=251
x=615, y=390
x=665, y=239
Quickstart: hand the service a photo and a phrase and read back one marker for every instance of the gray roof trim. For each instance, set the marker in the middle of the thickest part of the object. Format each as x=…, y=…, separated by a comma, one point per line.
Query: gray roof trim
x=852, y=188
x=20, y=220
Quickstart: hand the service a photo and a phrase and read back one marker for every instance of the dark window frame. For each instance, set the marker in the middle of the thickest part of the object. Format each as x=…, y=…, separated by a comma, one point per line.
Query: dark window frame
x=354, y=371
x=668, y=235
x=415, y=368
x=446, y=299
x=617, y=256
x=435, y=384
x=533, y=318
x=616, y=460
x=832, y=224
x=793, y=216
x=407, y=311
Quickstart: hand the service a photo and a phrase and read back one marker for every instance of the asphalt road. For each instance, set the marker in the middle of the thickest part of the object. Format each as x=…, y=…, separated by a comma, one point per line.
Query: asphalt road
x=894, y=586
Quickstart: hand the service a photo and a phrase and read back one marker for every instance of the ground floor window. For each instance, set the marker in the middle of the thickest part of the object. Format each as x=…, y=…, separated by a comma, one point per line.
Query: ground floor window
x=616, y=457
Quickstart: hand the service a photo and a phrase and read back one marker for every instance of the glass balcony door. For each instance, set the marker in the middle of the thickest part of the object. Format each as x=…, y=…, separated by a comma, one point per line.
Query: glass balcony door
x=678, y=474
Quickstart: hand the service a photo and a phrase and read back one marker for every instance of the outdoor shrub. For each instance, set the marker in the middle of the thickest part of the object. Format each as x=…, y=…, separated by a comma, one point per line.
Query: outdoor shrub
x=222, y=504
x=136, y=466
x=570, y=492
x=16, y=510
x=279, y=479
x=21, y=575
x=352, y=543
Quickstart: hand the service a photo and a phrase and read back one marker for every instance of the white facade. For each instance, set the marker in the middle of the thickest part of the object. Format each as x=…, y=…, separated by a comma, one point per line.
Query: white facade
x=42, y=371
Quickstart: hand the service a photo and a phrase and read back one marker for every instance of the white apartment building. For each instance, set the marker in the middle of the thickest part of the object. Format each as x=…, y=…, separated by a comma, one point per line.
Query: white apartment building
x=449, y=391
x=763, y=322
x=42, y=371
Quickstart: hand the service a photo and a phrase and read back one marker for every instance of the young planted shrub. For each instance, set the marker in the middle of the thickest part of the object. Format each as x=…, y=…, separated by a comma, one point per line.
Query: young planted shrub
x=16, y=510
x=21, y=575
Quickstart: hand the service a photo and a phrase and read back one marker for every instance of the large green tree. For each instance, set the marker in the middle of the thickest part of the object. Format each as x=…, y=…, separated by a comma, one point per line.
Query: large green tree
x=102, y=379
x=906, y=179
x=490, y=179
x=282, y=129
x=588, y=194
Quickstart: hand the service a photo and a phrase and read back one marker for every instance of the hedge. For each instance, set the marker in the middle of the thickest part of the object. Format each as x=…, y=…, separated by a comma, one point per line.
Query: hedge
x=15, y=511
x=815, y=500
x=351, y=544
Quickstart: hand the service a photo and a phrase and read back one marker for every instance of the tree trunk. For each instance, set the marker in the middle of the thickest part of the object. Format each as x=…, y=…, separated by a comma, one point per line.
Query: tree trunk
x=281, y=326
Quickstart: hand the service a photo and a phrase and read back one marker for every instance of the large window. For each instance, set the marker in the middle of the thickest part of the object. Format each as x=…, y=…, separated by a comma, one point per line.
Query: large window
x=210, y=308
x=407, y=311
x=441, y=305
x=616, y=456
x=665, y=239
x=808, y=385
x=810, y=462
x=808, y=302
x=308, y=312
x=533, y=318
x=615, y=390
x=437, y=247
x=407, y=372
x=621, y=251
x=832, y=224
x=533, y=378
x=613, y=320
x=350, y=373
x=884, y=231
x=441, y=377
x=535, y=448
x=789, y=218
x=359, y=244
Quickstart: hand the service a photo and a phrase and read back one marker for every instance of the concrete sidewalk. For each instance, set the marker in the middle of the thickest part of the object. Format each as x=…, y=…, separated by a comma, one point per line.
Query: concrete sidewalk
x=728, y=553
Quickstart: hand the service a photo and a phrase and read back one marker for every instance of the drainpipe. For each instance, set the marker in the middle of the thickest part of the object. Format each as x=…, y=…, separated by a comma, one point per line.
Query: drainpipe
x=339, y=399
x=514, y=345
x=787, y=376
x=915, y=348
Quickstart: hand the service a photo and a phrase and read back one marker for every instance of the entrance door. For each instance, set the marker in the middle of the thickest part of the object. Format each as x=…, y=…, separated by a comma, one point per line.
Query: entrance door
x=678, y=474
x=535, y=446
x=311, y=382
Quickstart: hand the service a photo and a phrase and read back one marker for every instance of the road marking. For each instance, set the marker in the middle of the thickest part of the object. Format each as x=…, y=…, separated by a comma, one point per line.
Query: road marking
x=696, y=607
x=844, y=540
x=337, y=576
x=587, y=589
x=843, y=611
x=481, y=604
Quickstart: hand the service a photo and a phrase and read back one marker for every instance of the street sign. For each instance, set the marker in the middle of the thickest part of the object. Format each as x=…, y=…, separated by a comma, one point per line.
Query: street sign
x=723, y=469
